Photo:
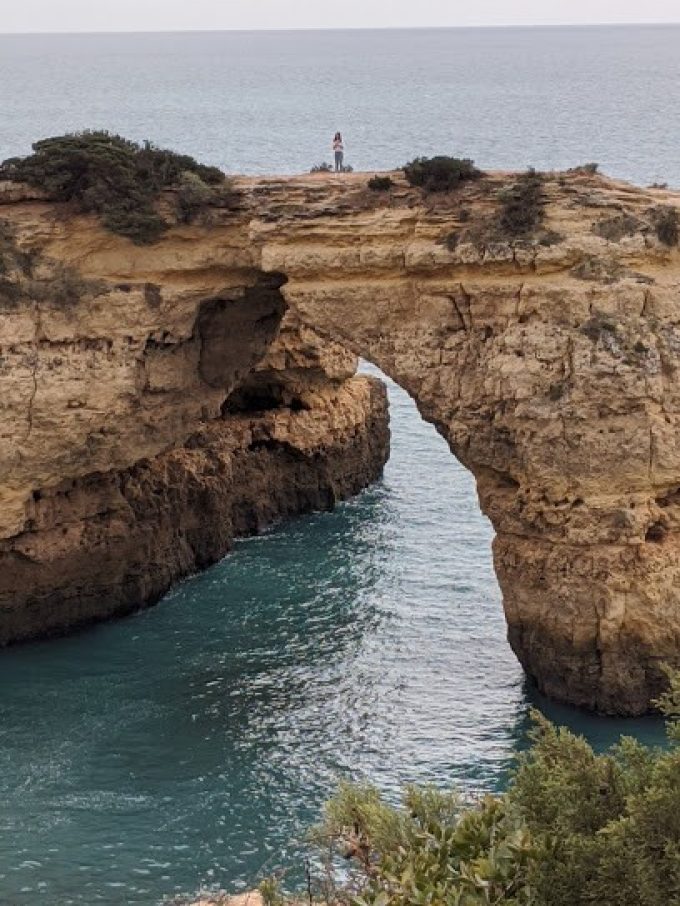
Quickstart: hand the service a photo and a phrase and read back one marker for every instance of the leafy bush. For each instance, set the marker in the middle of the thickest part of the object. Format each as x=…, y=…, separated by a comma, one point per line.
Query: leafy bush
x=102, y=173
x=598, y=270
x=193, y=194
x=667, y=225
x=380, y=183
x=13, y=257
x=606, y=827
x=522, y=206
x=590, y=169
x=432, y=851
x=440, y=174
x=548, y=238
x=322, y=168
x=573, y=829
x=64, y=287
x=142, y=224
x=618, y=227
x=270, y=891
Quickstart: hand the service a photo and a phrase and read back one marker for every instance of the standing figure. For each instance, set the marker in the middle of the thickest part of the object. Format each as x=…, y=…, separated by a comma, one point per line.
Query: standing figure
x=339, y=151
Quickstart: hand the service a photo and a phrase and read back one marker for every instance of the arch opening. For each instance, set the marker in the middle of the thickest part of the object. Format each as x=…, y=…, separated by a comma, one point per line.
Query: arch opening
x=576, y=552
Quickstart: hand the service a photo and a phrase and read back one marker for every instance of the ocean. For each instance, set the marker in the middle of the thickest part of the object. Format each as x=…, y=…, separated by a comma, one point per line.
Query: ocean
x=193, y=744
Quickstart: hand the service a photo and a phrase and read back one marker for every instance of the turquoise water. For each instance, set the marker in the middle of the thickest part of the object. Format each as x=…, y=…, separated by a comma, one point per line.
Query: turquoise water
x=194, y=743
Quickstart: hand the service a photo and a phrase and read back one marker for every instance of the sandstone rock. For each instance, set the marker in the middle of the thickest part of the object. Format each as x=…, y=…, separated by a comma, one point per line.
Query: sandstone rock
x=108, y=543
x=550, y=368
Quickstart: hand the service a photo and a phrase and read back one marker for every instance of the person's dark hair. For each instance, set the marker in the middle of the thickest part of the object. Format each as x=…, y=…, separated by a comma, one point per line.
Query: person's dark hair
x=338, y=135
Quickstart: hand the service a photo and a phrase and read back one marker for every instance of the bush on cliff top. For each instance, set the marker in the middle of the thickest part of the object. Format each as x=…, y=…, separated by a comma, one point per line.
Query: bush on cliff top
x=440, y=174
x=574, y=828
x=380, y=183
x=522, y=206
x=105, y=174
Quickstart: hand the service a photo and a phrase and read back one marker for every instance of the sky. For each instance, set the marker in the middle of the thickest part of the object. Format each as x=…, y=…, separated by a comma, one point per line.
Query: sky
x=161, y=15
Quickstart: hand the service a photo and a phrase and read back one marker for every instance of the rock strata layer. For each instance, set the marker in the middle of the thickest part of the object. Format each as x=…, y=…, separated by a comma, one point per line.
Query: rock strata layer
x=153, y=412
x=108, y=543
x=549, y=363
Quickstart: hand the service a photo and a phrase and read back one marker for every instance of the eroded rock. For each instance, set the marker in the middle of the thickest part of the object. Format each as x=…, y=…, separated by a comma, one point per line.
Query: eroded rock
x=548, y=364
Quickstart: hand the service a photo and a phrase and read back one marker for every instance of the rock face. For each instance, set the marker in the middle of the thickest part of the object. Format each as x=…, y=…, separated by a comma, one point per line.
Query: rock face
x=107, y=543
x=144, y=425
x=549, y=364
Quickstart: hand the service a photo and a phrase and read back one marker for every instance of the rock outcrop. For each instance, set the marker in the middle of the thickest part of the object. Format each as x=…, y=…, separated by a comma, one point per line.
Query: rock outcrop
x=144, y=425
x=549, y=364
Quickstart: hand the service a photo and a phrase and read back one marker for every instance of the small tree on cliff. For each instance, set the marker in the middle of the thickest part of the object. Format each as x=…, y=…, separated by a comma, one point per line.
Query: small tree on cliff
x=441, y=173
x=105, y=174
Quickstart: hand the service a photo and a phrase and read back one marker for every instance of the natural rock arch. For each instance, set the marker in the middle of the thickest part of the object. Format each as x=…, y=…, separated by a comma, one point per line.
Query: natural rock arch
x=550, y=368
x=552, y=372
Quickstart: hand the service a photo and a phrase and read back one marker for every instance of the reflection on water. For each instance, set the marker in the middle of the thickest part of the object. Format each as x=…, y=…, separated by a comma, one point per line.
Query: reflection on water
x=194, y=743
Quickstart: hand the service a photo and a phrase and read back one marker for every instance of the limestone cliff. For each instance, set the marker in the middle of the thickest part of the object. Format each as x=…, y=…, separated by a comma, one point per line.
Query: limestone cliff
x=146, y=423
x=549, y=364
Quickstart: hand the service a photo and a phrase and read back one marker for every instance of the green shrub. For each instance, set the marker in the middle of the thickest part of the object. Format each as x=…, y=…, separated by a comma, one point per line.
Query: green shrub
x=440, y=174
x=667, y=225
x=450, y=240
x=64, y=287
x=193, y=195
x=548, y=238
x=431, y=851
x=573, y=829
x=522, y=206
x=618, y=227
x=16, y=266
x=598, y=270
x=270, y=891
x=102, y=173
x=606, y=827
x=142, y=224
x=380, y=183
x=589, y=169
x=163, y=168
x=322, y=168
x=52, y=282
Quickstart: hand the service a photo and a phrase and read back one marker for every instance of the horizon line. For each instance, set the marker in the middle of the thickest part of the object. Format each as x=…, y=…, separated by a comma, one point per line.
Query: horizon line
x=332, y=28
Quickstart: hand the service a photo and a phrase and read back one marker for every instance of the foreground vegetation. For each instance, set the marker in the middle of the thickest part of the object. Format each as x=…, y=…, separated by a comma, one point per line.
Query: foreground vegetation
x=120, y=180
x=573, y=829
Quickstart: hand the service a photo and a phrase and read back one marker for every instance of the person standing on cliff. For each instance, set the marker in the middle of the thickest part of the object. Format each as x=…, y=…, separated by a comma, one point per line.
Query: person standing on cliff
x=339, y=151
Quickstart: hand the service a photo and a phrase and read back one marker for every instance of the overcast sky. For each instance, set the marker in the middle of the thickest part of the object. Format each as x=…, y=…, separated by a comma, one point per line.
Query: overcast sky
x=153, y=15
